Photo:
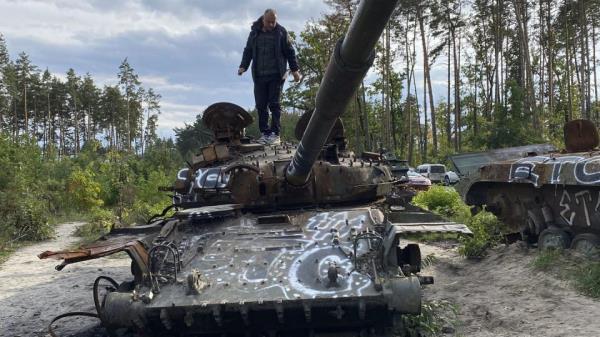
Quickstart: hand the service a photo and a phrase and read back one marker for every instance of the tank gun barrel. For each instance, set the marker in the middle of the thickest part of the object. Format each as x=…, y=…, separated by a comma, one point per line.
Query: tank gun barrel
x=349, y=63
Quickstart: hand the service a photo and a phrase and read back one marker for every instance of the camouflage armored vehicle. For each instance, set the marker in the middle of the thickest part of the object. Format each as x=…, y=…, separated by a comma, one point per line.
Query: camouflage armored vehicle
x=266, y=240
x=550, y=197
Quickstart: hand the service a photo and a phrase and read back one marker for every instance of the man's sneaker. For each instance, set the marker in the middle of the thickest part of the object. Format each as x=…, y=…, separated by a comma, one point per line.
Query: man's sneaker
x=264, y=139
x=274, y=139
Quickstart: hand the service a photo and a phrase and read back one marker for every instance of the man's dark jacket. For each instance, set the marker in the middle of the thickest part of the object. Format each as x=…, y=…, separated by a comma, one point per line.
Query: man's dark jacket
x=284, y=50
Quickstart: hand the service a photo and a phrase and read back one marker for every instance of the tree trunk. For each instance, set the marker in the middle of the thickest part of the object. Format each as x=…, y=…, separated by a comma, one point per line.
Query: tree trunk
x=550, y=58
x=76, y=115
x=388, y=96
x=475, y=125
x=497, y=48
x=569, y=114
x=358, y=125
x=427, y=79
x=25, y=106
x=457, y=107
x=408, y=105
x=596, y=117
x=582, y=63
x=448, y=110
x=521, y=15
x=542, y=58
x=366, y=118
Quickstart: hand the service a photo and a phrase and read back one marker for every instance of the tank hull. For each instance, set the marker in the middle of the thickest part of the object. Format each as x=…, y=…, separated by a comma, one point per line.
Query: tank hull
x=553, y=192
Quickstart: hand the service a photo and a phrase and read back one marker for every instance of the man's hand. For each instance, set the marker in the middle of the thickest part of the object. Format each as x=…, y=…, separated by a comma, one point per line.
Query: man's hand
x=241, y=71
x=297, y=76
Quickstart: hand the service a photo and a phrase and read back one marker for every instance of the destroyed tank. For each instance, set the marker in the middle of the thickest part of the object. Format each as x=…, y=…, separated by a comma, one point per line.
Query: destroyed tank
x=273, y=240
x=550, y=198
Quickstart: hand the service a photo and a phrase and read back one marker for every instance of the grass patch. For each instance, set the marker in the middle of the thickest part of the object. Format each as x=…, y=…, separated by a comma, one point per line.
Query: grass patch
x=581, y=273
x=436, y=317
x=587, y=279
x=7, y=251
x=547, y=259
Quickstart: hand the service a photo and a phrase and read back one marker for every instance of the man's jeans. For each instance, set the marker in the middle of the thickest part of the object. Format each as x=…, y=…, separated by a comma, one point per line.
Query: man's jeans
x=267, y=92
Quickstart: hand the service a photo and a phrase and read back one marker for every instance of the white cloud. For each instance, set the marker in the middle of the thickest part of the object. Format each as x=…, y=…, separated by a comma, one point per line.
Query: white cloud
x=176, y=115
x=162, y=83
x=80, y=24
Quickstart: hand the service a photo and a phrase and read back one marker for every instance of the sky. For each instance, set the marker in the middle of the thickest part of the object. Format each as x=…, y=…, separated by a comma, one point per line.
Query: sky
x=188, y=51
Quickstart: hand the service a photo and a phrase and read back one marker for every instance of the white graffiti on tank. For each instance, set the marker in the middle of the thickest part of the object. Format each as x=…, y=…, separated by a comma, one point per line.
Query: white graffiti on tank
x=585, y=171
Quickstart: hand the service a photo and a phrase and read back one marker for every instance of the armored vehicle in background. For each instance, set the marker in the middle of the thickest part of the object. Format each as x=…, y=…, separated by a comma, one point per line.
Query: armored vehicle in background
x=266, y=240
x=551, y=198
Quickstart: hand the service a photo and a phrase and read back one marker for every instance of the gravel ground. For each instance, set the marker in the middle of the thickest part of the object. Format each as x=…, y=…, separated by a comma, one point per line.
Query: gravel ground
x=32, y=292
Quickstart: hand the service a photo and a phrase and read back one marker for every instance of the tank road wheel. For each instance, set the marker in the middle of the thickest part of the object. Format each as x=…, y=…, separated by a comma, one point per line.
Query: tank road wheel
x=553, y=238
x=532, y=229
x=587, y=245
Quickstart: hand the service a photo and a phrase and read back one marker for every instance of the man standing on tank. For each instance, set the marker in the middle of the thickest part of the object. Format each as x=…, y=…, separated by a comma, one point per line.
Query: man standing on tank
x=269, y=48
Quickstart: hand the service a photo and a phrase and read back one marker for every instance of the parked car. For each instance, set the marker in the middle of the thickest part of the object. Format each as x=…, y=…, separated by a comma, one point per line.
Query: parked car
x=451, y=178
x=417, y=181
x=434, y=172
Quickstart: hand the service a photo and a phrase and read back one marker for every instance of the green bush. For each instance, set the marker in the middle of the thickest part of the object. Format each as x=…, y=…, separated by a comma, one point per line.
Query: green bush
x=486, y=230
x=23, y=198
x=444, y=201
x=97, y=185
x=101, y=222
x=142, y=211
x=83, y=191
x=25, y=220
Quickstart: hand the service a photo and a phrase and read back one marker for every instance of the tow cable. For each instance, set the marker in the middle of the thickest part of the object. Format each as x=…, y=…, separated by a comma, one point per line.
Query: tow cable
x=99, y=306
x=68, y=314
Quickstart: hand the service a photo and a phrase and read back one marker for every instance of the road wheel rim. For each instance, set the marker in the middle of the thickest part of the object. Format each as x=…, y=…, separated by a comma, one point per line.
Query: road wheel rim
x=553, y=240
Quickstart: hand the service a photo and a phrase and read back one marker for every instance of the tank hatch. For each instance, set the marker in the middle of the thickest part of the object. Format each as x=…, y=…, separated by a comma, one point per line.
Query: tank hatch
x=227, y=121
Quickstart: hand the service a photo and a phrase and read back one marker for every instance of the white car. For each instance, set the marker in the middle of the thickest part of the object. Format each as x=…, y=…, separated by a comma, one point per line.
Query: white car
x=433, y=172
x=450, y=178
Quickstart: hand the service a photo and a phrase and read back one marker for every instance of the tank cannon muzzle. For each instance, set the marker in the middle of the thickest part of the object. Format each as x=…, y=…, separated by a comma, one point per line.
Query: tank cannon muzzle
x=349, y=63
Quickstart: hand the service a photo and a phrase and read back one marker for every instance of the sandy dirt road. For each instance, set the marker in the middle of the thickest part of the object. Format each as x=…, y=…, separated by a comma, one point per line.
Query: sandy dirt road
x=32, y=292
x=502, y=295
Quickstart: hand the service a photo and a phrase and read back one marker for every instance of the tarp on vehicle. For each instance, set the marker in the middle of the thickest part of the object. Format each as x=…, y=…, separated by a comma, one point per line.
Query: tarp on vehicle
x=468, y=163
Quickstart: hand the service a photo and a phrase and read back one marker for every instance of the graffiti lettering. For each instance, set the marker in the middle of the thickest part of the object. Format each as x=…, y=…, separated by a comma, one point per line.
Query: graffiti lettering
x=566, y=209
x=523, y=169
x=584, y=170
x=210, y=178
x=580, y=198
x=587, y=171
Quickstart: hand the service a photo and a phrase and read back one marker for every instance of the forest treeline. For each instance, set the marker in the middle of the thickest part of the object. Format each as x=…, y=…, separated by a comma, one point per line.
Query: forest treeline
x=511, y=72
x=70, y=149
x=62, y=115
